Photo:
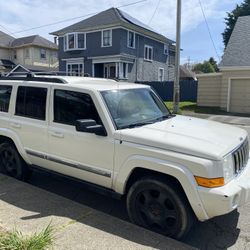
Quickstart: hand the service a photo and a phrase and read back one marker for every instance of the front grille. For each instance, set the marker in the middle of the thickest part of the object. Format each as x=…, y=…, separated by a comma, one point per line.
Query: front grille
x=240, y=157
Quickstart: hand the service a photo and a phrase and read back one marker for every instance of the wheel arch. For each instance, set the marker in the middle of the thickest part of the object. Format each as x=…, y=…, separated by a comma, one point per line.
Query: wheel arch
x=6, y=135
x=174, y=173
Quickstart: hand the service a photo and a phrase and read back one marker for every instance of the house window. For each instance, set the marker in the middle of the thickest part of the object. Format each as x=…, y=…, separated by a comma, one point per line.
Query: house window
x=106, y=38
x=75, y=69
x=131, y=39
x=148, y=53
x=166, y=49
x=27, y=53
x=14, y=54
x=43, y=53
x=161, y=75
x=75, y=41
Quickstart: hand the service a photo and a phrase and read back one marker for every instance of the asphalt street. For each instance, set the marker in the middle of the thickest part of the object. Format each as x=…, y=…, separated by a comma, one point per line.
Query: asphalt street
x=228, y=231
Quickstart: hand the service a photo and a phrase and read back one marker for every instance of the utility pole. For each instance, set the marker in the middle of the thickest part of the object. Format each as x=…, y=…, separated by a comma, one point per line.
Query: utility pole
x=176, y=96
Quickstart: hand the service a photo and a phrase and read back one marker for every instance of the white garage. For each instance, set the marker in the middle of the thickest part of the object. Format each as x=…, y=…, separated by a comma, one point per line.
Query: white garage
x=239, y=101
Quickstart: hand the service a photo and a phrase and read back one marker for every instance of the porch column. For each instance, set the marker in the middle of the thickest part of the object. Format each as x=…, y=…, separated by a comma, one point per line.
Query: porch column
x=117, y=70
x=93, y=70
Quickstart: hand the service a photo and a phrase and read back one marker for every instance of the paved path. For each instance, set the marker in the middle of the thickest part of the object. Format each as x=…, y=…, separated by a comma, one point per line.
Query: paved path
x=78, y=226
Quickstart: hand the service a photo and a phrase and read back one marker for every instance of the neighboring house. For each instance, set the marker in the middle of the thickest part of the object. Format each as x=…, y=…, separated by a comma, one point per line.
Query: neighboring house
x=187, y=74
x=113, y=44
x=230, y=89
x=32, y=52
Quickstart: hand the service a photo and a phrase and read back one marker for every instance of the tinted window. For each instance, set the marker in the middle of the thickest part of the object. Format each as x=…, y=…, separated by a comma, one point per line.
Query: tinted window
x=70, y=106
x=5, y=92
x=31, y=102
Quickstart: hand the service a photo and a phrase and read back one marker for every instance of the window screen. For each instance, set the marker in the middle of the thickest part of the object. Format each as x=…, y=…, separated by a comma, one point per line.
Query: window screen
x=5, y=92
x=31, y=102
x=70, y=106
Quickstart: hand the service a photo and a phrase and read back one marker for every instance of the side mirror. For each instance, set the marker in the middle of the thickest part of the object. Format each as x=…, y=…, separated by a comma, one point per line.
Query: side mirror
x=90, y=126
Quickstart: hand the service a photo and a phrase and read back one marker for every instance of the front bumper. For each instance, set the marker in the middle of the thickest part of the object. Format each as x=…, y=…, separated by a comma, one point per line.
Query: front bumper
x=222, y=200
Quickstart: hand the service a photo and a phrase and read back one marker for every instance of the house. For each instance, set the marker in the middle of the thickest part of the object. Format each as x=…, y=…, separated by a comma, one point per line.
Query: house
x=112, y=44
x=33, y=52
x=230, y=88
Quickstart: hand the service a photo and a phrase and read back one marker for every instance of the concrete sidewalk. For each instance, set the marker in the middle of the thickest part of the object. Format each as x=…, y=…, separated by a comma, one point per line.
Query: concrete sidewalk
x=30, y=209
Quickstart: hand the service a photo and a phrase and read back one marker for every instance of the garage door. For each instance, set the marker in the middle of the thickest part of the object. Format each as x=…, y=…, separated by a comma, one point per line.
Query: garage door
x=240, y=96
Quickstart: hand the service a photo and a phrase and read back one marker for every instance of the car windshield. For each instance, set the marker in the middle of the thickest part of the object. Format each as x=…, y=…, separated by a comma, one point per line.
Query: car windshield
x=134, y=107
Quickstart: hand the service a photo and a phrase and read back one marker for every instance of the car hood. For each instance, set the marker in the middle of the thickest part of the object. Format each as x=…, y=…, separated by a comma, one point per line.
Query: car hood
x=188, y=135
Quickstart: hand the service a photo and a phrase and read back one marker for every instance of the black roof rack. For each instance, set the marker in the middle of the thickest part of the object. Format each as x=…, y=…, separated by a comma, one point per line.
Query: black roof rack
x=32, y=77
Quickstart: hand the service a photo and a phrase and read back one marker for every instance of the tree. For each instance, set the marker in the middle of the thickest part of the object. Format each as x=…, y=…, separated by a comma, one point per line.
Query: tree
x=205, y=67
x=214, y=64
x=231, y=19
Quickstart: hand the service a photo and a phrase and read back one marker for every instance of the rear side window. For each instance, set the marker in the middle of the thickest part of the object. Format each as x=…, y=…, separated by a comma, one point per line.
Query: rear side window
x=5, y=92
x=70, y=106
x=31, y=102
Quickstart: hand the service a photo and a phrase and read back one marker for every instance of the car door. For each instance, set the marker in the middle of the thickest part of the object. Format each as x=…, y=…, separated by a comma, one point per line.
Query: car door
x=82, y=155
x=29, y=120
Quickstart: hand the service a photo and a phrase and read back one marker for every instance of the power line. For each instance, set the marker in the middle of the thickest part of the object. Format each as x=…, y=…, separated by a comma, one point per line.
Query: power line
x=156, y=8
x=6, y=29
x=209, y=31
x=73, y=18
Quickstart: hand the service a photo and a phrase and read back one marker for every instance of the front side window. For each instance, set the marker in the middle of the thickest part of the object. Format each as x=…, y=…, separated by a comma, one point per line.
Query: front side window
x=106, y=38
x=166, y=49
x=43, y=53
x=31, y=102
x=148, y=53
x=134, y=107
x=70, y=106
x=5, y=93
x=74, y=41
x=131, y=39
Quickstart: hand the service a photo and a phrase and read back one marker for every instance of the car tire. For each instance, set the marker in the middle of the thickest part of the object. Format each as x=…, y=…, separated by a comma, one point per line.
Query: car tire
x=12, y=164
x=161, y=207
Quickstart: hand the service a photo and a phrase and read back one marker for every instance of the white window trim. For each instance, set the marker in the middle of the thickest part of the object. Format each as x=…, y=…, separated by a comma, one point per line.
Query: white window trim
x=128, y=39
x=163, y=73
x=43, y=58
x=111, y=38
x=166, y=47
x=149, y=47
x=73, y=63
x=66, y=48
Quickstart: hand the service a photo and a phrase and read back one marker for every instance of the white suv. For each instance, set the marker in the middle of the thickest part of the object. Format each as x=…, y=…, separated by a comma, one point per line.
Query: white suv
x=121, y=137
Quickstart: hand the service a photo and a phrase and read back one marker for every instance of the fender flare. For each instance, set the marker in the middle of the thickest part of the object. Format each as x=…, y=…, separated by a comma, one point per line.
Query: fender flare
x=13, y=136
x=177, y=171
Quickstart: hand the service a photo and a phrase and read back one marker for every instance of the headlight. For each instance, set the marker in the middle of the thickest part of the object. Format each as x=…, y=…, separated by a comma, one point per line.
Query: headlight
x=228, y=168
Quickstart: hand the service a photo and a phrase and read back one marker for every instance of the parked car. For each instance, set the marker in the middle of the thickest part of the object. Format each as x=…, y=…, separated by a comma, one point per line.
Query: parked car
x=122, y=138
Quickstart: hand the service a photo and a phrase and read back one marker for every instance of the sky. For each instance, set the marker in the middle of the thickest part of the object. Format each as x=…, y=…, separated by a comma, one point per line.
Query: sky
x=21, y=15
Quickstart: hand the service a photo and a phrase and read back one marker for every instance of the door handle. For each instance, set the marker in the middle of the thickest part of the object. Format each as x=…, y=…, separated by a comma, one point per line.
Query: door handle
x=15, y=125
x=57, y=134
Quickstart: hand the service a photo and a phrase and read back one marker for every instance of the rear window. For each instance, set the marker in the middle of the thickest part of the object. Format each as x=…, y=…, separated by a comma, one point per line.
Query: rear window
x=31, y=102
x=5, y=92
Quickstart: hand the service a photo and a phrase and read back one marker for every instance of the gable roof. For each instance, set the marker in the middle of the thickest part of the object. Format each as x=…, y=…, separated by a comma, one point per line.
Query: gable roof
x=5, y=39
x=110, y=18
x=33, y=40
x=237, y=52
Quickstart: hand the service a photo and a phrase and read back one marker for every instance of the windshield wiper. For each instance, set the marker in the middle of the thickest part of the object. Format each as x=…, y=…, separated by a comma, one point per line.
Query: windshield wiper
x=163, y=117
x=137, y=124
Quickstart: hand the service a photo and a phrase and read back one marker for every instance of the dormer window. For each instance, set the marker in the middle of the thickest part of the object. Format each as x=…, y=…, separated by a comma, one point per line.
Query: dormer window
x=75, y=41
x=131, y=39
x=106, y=38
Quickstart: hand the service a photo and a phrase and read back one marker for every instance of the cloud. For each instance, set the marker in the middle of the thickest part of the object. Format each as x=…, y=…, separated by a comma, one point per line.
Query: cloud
x=24, y=14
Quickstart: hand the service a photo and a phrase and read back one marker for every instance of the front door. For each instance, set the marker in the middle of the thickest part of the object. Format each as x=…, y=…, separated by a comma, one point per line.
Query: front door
x=81, y=155
x=109, y=70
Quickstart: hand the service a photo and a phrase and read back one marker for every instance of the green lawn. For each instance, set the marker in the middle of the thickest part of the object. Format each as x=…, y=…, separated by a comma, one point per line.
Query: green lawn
x=191, y=107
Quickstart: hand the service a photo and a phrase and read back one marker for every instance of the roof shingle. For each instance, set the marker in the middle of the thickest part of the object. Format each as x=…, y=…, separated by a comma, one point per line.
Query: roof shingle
x=237, y=52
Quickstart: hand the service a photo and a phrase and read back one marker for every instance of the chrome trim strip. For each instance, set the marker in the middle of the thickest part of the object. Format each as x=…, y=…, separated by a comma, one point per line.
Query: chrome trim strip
x=70, y=164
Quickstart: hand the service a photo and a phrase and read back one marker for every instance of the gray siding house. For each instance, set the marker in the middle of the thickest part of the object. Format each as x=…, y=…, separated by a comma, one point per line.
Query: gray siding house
x=113, y=44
